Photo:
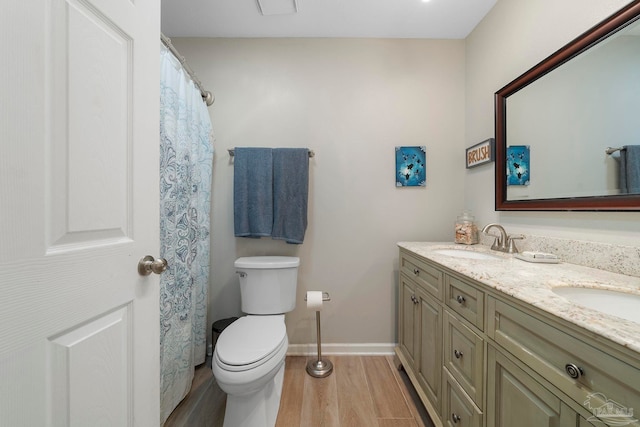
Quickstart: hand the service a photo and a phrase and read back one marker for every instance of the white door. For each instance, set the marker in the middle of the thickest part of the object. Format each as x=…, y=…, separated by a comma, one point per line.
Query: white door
x=79, y=96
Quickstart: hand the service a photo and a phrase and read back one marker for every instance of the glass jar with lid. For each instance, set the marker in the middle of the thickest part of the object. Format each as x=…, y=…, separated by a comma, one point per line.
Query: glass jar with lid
x=466, y=229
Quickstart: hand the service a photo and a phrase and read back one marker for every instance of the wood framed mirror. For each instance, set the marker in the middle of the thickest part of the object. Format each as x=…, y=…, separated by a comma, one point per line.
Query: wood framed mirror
x=567, y=111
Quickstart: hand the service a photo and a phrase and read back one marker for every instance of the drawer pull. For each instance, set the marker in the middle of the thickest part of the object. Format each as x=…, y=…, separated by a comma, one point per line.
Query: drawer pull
x=458, y=354
x=460, y=299
x=416, y=271
x=455, y=418
x=574, y=371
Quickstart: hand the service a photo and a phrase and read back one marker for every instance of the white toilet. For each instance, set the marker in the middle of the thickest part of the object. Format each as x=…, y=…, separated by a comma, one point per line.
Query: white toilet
x=248, y=361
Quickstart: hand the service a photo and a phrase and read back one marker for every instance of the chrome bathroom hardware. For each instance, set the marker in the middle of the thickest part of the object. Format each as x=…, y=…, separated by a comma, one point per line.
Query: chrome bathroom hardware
x=149, y=264
x=504, y=242
x=325, y=297
x=207, y=96
x=319, y=368
x=611, y=150
x=573, y=370
x=232, y=152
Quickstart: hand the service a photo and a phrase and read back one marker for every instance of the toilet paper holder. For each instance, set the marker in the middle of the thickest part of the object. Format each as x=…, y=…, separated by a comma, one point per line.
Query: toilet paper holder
x=319, y=368
x=325, y=297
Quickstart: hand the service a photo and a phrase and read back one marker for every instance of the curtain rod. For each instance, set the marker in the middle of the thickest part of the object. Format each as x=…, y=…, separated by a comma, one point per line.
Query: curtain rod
x=207, y=96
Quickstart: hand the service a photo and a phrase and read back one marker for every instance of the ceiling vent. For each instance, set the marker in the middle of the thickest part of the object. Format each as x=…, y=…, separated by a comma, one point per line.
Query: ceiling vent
x=278, y=7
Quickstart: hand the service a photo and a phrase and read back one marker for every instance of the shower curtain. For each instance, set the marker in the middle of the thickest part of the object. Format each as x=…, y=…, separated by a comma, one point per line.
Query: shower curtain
x=186, y=154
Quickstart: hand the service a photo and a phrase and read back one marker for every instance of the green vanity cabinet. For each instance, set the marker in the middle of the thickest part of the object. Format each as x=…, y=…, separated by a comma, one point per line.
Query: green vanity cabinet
x=426, y=325
x=420, y=340
x=478, y=357
x=420, y=327
x=514, y=398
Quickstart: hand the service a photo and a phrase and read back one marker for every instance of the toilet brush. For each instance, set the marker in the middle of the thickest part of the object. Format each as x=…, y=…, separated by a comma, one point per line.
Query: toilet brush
x=319, y=368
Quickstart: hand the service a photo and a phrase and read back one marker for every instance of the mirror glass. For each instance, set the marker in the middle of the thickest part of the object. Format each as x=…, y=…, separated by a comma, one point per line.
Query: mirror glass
x=555, y=123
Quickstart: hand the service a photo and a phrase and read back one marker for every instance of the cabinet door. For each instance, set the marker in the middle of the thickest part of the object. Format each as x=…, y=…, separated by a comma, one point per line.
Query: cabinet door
x=407, y=320
x=515, y=399
x=430, y=341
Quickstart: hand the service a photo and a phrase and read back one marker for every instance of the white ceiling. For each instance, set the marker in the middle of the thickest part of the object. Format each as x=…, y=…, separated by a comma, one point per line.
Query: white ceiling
x=435, y=19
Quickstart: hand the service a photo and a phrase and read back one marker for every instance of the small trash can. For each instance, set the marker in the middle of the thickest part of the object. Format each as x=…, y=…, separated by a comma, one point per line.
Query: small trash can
x=219, y=326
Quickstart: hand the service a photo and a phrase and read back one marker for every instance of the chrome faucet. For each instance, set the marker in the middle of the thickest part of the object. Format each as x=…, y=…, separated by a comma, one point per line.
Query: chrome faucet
x=503, y=242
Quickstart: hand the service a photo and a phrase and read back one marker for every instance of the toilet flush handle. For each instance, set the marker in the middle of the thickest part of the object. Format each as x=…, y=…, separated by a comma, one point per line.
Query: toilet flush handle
x=241, y=273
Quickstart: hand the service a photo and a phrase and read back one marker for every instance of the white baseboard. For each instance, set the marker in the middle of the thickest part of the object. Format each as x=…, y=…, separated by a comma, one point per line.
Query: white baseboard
x=369, y=349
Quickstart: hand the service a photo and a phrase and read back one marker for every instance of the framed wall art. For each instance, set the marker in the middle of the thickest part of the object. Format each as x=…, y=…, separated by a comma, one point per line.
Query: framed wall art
x=411, y=168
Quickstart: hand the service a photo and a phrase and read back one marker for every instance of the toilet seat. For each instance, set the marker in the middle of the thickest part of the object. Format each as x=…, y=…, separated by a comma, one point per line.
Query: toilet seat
x=250, y=342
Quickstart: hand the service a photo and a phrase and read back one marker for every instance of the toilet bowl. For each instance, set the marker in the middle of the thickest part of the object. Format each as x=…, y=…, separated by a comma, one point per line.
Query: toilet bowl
x=248, y=364
x=249, y=356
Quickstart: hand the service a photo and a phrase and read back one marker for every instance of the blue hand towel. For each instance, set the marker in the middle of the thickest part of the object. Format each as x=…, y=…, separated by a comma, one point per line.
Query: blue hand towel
x=290, y=193
x=630, y=169
x=252, y=192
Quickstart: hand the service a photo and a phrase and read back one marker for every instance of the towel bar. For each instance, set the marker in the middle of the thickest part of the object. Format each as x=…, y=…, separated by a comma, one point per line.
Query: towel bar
x=611, y=150
x=232, y=152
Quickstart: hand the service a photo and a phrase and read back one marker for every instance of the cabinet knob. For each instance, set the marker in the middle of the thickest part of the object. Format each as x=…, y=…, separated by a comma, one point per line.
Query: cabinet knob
x=460, y=299
x=416, y=271
x=455, y=418
x=458, y=354
x=574, y=371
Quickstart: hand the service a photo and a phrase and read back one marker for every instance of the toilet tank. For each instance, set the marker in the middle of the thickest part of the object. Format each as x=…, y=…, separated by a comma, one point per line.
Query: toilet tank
x=268, y=283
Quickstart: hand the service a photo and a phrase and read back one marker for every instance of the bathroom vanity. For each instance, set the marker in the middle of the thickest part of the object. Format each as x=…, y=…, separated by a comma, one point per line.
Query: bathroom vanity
x=486, y=341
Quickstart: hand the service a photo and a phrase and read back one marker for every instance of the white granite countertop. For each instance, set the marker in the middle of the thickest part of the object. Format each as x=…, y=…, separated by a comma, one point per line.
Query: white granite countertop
x=532, y=283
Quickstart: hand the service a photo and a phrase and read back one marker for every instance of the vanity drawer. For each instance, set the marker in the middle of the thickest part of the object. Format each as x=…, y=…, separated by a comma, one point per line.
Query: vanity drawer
x=429, y=278
x=457, y=409
x=464, y=357
x=466, y=300
x=550, y=352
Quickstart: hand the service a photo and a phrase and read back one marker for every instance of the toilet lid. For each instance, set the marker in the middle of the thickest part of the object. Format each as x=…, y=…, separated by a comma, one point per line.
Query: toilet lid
x=250, y=339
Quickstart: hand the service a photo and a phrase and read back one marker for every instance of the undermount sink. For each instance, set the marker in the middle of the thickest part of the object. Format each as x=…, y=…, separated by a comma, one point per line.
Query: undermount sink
x=620, y=304
x=460, y=253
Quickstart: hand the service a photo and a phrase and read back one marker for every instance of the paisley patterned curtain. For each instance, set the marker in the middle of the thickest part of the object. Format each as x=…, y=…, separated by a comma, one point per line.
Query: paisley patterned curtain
x=186, y=155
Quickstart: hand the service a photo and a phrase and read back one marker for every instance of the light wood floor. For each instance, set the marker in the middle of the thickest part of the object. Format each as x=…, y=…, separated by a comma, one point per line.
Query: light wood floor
x=363, y=391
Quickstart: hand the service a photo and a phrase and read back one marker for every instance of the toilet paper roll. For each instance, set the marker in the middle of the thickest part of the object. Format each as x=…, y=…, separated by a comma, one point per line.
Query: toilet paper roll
x=314, y=300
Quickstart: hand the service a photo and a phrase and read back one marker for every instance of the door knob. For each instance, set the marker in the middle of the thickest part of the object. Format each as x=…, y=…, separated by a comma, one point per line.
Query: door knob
x=149, y=264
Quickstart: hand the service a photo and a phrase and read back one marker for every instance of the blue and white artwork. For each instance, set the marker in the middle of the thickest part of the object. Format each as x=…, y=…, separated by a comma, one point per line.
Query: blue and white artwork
x=518, y=165
x=411, y=166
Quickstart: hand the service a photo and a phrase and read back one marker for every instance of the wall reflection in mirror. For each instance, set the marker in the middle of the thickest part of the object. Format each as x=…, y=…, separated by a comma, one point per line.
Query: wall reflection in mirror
x=569, y=115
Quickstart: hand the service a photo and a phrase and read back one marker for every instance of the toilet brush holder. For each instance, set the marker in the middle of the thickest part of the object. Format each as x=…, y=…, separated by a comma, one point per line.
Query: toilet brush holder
x=319, y=368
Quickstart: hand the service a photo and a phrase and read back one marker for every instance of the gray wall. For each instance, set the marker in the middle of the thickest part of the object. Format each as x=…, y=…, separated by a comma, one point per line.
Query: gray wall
x=513, y=37
x=352, y=101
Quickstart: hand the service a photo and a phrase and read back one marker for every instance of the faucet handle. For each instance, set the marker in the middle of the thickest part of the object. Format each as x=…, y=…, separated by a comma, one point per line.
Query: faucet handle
x=512, y=249
x=497, y=242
